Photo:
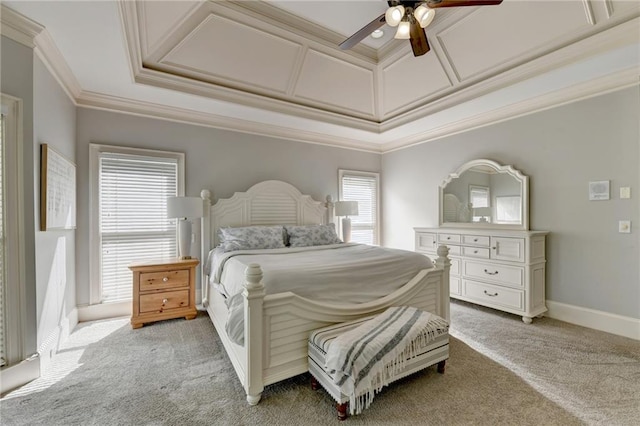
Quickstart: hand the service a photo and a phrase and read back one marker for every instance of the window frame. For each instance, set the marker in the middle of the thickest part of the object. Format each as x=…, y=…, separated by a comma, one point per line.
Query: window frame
x=345, y=172
x=15, y=296
x=95, y=149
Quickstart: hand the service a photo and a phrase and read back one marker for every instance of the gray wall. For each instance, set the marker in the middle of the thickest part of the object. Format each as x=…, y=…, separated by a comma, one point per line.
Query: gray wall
x=589, y=264
x=223, y=162
x=54, y=118
x=16, y=79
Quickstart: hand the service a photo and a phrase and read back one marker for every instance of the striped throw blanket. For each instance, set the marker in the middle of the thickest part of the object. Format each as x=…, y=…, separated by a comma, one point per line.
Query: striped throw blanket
x=364, y=360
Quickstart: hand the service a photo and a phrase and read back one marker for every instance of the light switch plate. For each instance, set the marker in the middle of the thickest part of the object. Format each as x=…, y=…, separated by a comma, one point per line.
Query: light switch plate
x=624, y=226
x=625, y=192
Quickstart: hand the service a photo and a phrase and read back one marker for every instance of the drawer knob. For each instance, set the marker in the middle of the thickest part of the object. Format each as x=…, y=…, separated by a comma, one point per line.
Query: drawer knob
x=165, y=279
x=448, y=238
x=491, y=273
x=164, y=301
x=494, y=247
x=489, y=294
x=475, y=240
x=475, y=251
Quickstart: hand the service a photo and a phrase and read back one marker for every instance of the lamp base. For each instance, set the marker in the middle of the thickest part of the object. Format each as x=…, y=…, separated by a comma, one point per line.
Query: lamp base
x=346, y=229
x=184, y=239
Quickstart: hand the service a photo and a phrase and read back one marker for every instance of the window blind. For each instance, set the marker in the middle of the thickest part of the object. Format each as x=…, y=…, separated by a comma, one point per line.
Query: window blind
x=3, y=357
x=133, y=192
x=364, y=190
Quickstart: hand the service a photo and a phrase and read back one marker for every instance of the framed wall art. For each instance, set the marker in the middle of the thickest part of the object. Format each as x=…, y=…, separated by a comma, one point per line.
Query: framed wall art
x=57, y=190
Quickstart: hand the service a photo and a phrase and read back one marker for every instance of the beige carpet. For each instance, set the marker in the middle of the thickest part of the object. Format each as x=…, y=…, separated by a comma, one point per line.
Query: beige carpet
x=501, y=372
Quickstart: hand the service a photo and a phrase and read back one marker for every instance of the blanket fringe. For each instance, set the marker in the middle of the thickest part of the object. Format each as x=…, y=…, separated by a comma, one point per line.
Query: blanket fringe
x=387, y=370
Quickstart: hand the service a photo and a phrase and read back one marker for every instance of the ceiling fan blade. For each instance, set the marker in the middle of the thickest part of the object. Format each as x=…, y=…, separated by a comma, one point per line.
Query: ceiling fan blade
x=363, y=32
x=457, y=3
x=418, y=39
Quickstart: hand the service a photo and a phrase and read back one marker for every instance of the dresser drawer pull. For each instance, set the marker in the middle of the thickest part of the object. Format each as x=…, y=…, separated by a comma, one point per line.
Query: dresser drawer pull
x=494, y=248
x=448, y=238
x=165, y=279
x=489, y=294
x=491, y=273
x=475, y=240
x=475, y=251
x=164, y=301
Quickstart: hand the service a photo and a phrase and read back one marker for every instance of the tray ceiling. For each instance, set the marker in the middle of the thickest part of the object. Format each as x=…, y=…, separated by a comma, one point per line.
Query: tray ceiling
x=278, y=62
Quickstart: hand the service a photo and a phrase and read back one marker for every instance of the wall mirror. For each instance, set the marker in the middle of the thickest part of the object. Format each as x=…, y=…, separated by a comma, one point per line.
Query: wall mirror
x=485, y=194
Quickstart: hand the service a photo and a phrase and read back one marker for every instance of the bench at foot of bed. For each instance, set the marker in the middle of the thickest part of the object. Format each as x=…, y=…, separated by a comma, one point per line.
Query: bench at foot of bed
x=434, y=352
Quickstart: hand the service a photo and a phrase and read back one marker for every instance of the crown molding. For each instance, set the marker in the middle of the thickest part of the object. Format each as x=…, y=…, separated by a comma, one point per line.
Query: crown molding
x=18, y=27
x=592, y=88
x=618, y=36
x=100, y=101
x=52, y=58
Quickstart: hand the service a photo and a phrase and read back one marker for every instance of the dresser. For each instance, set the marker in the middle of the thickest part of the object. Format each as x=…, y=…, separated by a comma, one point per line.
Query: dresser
x=500, y=269
x=163, y=290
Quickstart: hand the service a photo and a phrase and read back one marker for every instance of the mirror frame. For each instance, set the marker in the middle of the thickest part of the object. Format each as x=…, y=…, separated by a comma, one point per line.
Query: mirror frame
x=516, y=174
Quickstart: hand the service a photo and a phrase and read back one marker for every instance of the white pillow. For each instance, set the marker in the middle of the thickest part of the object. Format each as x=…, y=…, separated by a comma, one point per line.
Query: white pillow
x=312, y=235
x=252, y=238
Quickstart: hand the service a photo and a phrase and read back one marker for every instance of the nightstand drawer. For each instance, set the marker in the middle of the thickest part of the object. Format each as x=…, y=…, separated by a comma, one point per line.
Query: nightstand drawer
x=164, y=279
x=159, y=302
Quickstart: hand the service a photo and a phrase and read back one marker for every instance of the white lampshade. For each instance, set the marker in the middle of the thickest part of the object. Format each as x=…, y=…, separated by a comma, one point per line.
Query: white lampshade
x=394, y=15
x=346, y=208
x=187, y=207
x=424, y=15
x=404, y=29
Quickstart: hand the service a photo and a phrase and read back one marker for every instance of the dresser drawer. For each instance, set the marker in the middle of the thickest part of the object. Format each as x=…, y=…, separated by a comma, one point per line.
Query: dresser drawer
x=164, y=280
x=476, y=240
x=426, y=241
x=493, y=295
x=159, y=302
x=480, y=252
x=500, y=274
x=506, y=248
x=449, y=238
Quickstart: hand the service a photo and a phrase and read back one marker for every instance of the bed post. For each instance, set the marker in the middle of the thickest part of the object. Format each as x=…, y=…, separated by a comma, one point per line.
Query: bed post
x=205, y=245
x=444, y=262
x=253, y=299
x=329, y=205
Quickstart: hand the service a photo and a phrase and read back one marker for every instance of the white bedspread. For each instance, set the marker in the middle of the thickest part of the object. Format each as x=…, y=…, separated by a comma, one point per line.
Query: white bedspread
x=337, y=273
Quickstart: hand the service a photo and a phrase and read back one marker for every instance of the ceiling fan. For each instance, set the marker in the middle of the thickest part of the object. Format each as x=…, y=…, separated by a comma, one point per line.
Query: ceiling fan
x=411, y=18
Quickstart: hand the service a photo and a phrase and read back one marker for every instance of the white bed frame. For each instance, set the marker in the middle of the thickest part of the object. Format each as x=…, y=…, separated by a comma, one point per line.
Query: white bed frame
x=277, y=326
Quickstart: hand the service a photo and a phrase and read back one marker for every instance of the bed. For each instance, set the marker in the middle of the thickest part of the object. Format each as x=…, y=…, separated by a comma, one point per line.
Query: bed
x=276, y=326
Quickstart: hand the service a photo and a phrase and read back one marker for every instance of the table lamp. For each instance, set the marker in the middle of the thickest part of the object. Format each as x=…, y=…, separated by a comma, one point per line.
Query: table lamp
x=483, y=212
x=346, y=209
x=185, y=209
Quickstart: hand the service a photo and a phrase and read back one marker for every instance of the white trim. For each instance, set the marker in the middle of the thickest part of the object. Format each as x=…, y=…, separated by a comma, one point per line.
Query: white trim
x=15, y=302
x=47, y=51
x=49, y=346
x=18, y=27
x=94, y=249
x=20, y=374
x=102, y=311
x=598, y=320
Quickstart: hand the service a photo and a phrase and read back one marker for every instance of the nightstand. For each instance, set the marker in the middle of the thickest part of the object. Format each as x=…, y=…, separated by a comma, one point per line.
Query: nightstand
x=163, y=290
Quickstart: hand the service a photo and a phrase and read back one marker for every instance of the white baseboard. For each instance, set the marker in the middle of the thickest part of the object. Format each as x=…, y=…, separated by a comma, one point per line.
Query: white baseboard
x=49, y=346
x=20, y=374
x=598, y=320
x=103, y=311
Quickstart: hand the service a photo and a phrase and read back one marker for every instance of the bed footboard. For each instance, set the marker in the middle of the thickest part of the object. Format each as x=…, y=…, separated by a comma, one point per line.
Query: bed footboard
x=276, y=327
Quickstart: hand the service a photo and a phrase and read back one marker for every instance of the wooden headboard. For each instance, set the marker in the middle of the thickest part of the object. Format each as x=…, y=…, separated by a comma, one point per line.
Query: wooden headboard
x=271, y=202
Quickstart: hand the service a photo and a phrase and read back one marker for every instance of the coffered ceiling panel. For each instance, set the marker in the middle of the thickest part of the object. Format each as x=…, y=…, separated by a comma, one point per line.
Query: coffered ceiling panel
x=254, y=57
x=336, y=83
x=490, y=40
x=410, y=79
x=161, y=17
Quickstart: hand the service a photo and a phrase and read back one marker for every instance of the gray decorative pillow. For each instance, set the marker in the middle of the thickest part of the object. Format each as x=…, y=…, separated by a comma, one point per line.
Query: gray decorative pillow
x=252, y=237
x=312, y=235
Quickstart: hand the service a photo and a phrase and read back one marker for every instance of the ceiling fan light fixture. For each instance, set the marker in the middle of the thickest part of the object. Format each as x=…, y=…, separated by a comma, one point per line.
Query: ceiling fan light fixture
x=424, y=15
x=404, y=31
x=394, y=15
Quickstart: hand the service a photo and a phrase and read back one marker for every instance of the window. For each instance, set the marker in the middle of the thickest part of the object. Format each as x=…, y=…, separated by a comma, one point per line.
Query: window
x=130, y=214
x=362, y=187
x=480, y=200
x=3, y=358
